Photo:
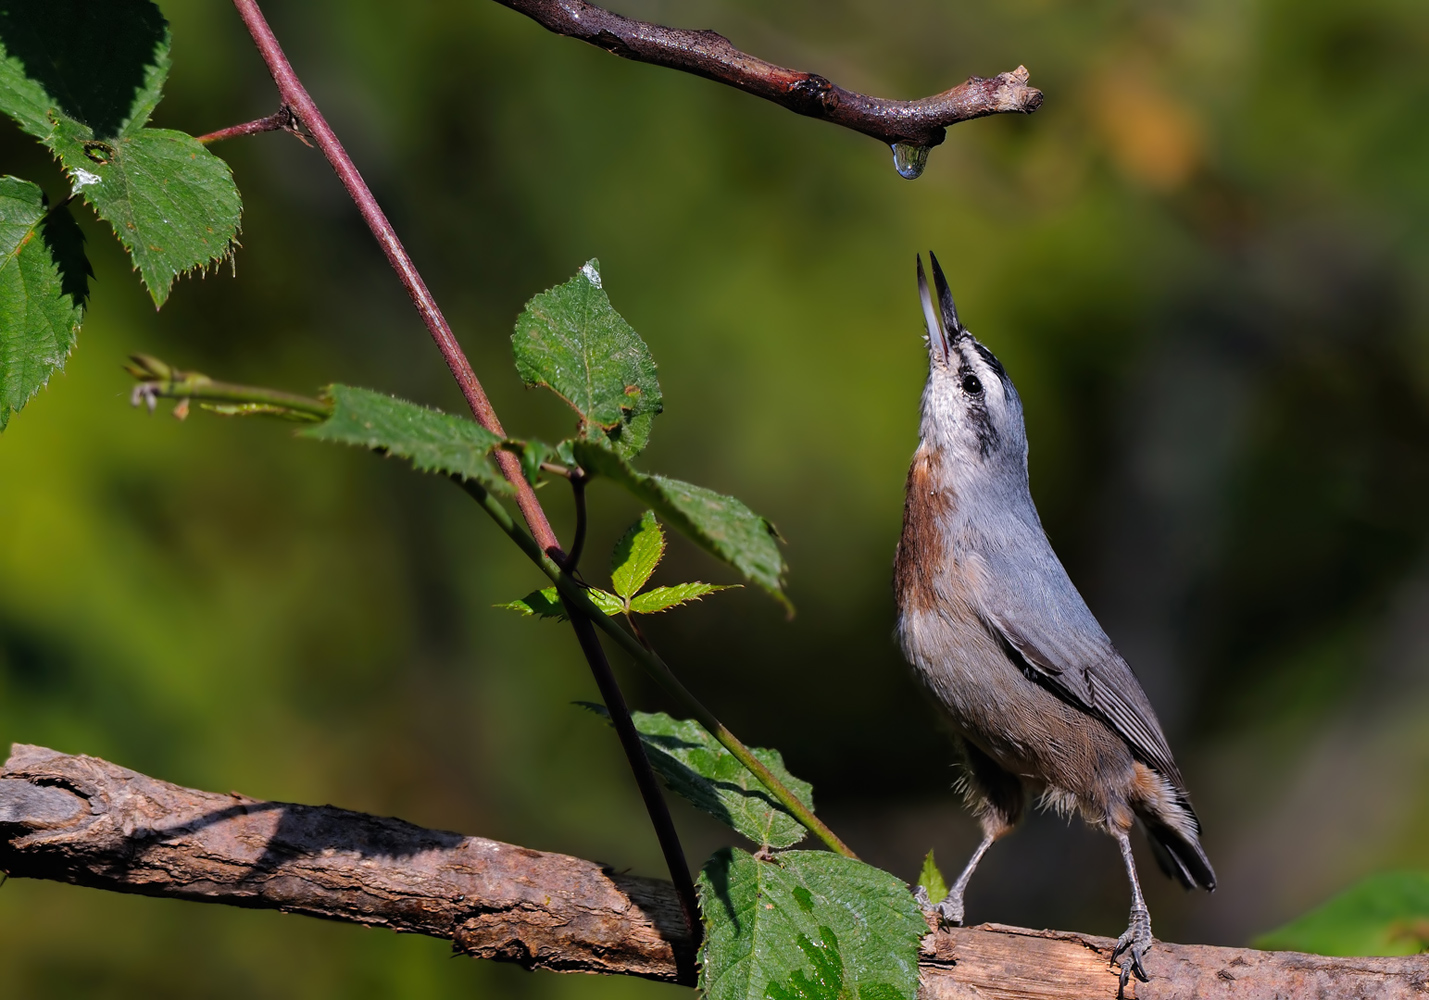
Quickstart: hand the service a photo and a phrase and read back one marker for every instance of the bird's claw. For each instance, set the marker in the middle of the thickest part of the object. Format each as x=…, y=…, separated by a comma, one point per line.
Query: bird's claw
x=949, y=912
x=1136, y=942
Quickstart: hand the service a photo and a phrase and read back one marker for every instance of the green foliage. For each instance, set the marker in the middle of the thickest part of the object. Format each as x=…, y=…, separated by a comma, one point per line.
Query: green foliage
x=1386, y=914
x=433, y=441
x=43, y=288
x=664, y=598
x=806, y=924
x=636, y=555
x=698, y=768
x=931, y=879
x=547, y=603
x=170, y=201
x=570, y=340
x=719, y=524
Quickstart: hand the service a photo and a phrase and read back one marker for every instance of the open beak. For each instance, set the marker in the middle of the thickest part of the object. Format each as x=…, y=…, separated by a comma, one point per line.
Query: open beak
x=938, y=344
x=945, y=301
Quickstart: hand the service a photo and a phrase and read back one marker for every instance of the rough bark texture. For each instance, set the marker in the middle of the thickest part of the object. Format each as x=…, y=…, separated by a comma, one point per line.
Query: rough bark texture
x=711, y=55
x=86, y=821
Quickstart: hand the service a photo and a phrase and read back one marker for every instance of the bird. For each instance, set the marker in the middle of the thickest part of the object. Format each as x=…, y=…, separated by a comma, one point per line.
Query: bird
x=1039, y=699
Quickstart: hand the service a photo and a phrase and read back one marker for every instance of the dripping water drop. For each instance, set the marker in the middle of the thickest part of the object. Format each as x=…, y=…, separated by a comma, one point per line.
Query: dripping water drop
x=909, y=160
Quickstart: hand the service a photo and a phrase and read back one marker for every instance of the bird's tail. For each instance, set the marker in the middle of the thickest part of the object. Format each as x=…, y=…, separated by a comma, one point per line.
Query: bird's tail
x=1177, y=849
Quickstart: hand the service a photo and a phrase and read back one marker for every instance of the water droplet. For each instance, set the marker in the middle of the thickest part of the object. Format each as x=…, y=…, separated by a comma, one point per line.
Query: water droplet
x=909, y=160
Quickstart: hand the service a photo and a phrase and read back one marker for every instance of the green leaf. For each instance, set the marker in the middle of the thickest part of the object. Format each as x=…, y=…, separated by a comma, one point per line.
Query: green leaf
x=664, y=598
x=570, y=340
x=697, y=767
x=636, y=555
x=170, y=201
x=43, y=288
x=1386, y=914
x=532, y=453
x=807, y=924
x=433, y=441
x=931, y=879
x=719, y=524
x=541, y=603
x=547, y=603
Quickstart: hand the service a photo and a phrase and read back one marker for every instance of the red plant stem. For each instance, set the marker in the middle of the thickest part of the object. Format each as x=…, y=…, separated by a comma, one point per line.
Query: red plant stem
x=295, y=96
x=281, y=120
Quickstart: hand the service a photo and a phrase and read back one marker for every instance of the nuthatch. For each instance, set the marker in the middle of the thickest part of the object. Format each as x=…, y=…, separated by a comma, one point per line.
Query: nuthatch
x=989, y=619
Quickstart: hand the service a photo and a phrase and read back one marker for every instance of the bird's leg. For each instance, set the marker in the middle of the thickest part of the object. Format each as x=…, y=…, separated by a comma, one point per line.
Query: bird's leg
x=950, y=910
x=1136, y=942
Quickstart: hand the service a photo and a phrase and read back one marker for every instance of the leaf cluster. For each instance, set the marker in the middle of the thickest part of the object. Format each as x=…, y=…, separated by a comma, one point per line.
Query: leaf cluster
x=779, y=923
x=83, y=78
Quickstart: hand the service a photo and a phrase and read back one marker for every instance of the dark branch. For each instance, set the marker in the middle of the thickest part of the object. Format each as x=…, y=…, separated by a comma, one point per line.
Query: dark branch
x=88, y=822
x=711, y=55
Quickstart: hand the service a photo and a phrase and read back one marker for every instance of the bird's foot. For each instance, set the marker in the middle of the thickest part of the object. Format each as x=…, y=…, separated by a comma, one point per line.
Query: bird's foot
x=1136, y=942
x=947, y=912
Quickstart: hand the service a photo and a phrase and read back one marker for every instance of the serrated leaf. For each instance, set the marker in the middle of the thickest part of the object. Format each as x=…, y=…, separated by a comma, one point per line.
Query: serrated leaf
x=43, y=288
x=806, y=924
x=636, y=555
x=570, y=340
x=431, y=440
x=170, y=201
x=719, y=524
x=664, y=598
x=547, y=603
x=1385, y=914
x=695, y=766
x=931, y=879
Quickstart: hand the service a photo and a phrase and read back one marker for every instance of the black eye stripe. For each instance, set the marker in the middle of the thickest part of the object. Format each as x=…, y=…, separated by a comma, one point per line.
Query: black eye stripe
x=991, y=360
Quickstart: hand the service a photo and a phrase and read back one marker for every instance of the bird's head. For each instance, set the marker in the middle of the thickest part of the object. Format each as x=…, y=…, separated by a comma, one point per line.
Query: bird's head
x=971, y=412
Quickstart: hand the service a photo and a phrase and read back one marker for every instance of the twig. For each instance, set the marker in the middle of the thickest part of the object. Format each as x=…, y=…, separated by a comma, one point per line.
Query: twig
x=711, y=55
x=282, y=120
x=92, y=823
x=158, y=380
x=295, y=96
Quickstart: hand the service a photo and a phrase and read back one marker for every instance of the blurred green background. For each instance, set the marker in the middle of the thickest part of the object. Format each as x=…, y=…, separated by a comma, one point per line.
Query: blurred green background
x=1203, y=261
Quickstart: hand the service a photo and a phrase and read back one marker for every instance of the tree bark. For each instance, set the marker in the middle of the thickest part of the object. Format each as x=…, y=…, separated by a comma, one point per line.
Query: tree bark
x=86, y=821
x=709, y=54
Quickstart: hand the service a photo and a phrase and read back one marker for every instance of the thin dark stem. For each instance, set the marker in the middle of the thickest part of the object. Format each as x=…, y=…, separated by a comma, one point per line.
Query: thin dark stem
x=578, y=483
x=629, y=736
x=282, y=120
x=708, y=54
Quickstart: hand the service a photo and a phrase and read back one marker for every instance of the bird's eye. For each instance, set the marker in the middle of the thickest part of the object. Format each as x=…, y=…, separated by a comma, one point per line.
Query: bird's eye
x=971, y=385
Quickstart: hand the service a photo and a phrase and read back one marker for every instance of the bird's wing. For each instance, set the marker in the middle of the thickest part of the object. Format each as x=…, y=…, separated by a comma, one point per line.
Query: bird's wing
x=1049, y=625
